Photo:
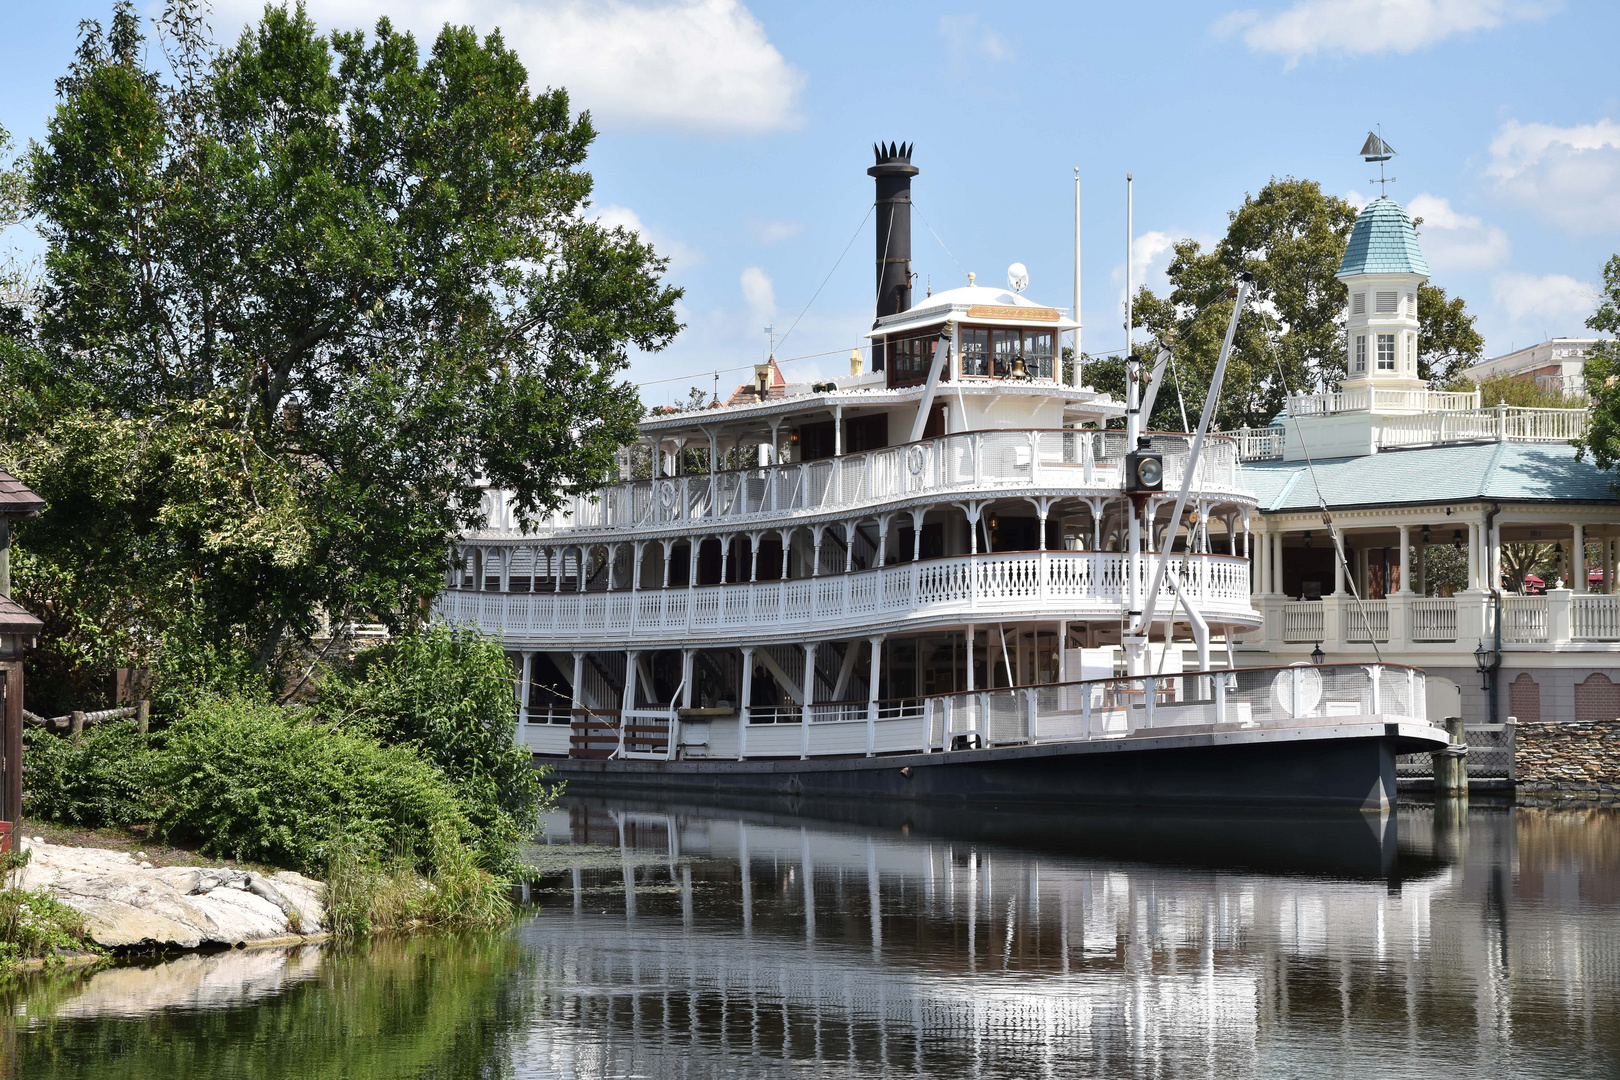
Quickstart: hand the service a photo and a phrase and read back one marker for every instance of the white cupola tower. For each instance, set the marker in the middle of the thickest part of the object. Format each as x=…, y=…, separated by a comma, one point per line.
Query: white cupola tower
x=1383, y=267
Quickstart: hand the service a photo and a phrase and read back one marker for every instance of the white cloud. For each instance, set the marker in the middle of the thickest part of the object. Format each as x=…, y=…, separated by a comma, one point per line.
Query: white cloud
x=760, y=294
x=697, y=65
x=679, y=255
x=774, y=232
x=1568, y=177
x=1362, y=27
x=1456, y=241
x=967, y=37
x=1550, y=305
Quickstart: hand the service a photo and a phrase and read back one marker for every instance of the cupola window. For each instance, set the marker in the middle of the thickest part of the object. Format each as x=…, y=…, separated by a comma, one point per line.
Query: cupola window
x=1386, y=303
x=1358, y=304
x=1361, y=353
x=1386, y=352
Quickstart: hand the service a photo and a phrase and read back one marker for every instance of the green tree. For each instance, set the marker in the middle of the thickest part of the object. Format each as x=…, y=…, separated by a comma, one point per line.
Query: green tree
x=1602, y=373
x=362, y=281
x=1291, y=237
x=1447, y=340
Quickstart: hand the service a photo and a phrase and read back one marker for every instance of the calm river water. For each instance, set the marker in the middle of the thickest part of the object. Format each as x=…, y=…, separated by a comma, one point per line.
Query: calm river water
x=673, y=940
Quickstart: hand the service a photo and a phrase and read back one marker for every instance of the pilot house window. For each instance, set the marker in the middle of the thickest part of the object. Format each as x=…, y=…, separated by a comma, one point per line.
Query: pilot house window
x=909, y=359
x=1006, y=354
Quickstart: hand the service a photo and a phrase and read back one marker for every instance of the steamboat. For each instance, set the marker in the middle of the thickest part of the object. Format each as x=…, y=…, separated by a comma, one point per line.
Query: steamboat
x=943, y=576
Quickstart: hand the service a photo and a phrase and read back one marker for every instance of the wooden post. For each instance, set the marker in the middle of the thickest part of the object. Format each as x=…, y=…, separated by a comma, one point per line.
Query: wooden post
x=143, y=715
x=77, y=722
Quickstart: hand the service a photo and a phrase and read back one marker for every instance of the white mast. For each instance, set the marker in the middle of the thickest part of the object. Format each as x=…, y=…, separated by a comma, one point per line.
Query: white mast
x=1076, y=376
x=1132, y=639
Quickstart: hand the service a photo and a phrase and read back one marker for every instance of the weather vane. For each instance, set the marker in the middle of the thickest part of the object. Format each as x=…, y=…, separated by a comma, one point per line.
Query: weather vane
x=1376, y=149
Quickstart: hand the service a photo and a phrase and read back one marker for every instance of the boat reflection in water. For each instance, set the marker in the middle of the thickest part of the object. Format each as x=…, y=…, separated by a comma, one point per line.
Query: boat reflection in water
x=969, y=943
x=851, y=940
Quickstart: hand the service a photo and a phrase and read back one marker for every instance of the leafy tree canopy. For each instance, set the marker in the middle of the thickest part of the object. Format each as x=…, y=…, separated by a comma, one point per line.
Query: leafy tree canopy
x=1602, y=373
x=1291, y=237
x=303, y=296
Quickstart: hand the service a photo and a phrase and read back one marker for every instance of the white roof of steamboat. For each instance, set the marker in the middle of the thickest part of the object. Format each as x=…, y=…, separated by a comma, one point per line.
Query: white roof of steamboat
x=973, y=305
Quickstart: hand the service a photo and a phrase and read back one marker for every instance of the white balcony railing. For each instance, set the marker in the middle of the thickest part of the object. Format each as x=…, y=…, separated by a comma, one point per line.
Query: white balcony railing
x=1434, y=619
x=1303, y=622
x=1366, y=620
x=1595, y=618
x=994, y=460
x=976, y=587
x=1381, y=400
x=1524, y=619
x=1501, y=423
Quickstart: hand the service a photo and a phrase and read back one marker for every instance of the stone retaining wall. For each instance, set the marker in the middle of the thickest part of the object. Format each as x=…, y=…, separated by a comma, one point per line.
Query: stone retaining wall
x=1569, y=756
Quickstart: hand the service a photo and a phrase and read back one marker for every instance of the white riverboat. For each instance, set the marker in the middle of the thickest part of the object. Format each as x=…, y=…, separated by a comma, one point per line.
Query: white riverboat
x=939, y=576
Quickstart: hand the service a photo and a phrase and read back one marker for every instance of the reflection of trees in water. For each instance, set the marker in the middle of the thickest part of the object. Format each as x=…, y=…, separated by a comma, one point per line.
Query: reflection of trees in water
x=715, y=943
x=438, y=1006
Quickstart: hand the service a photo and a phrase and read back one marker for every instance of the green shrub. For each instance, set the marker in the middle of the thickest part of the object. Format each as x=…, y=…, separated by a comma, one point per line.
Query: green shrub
x=448, y=692
x=35, y=925
x=109, y=778
x=257, y=781
x=365, y=895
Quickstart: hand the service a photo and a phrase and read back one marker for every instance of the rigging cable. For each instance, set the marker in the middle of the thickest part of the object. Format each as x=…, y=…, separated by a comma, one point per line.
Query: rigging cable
x=830, y=273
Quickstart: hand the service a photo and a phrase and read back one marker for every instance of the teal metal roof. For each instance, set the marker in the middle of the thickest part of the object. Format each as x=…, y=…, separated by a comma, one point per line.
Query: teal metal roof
x=1384, y=241
x=1488, y=472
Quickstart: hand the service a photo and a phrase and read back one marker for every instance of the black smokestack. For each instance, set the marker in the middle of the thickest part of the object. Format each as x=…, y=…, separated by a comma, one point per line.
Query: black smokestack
x=893, y=172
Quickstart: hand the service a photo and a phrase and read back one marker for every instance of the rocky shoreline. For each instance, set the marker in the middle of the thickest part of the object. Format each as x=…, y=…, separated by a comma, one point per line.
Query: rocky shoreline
x=129, y=904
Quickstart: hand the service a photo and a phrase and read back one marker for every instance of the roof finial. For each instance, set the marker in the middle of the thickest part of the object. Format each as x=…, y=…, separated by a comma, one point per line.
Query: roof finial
x=1376, y=149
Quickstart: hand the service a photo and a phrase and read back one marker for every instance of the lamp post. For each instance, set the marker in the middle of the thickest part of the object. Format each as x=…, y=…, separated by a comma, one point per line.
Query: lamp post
x=1484, y=660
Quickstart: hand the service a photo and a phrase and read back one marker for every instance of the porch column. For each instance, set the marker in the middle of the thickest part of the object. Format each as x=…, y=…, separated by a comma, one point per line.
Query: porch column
x=1577, y=562
x=786, y=536
x=687, y=656
x=1277, y=563
x=1474, y=572
x=1608, y=565
x=668, y=546
x=872, y=693
x=809, y=698
x=753, y=556
x=506, y=568
x=638, y=550
x=629, y=702
x=523, y=695
x=1338, y=562
x=695, y=545
x=816, y=531
x=1406, y=544
x=1493, y=555
x=745, y=699
x=849, y=545
x=578, y=698
x=1423, y=569
x=884, y=522
x=970, y=632
x=714, y=471
x=916, y=533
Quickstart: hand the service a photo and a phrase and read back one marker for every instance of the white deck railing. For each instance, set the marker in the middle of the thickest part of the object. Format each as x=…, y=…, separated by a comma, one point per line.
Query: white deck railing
x=1595, y=618
x=950, y=465
x=1501, y=423
x=1381, y=400
x=974, y=586
x=1104, y=709
x=1366, y=621
x=1434, y=619
x=1524, y=619
x=1303, y=622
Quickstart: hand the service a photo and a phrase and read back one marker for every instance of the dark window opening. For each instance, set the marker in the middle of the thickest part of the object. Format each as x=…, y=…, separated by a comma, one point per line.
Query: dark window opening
x=866, y=433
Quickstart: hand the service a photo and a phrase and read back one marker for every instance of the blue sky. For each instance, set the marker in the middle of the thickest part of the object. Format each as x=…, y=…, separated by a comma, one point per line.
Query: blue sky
x=736, y=135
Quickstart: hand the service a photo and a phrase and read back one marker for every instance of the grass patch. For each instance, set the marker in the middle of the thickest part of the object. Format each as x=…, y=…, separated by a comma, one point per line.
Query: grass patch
x=35, y=925
x=365, y=895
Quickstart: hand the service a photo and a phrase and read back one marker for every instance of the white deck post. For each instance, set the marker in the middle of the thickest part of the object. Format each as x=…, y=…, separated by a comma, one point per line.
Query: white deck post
x=872, y=694
x=523, y=697
x=628, y=704
x=809, y=696
x=1578, y=559
x=1406, y=558
x=745, y=698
